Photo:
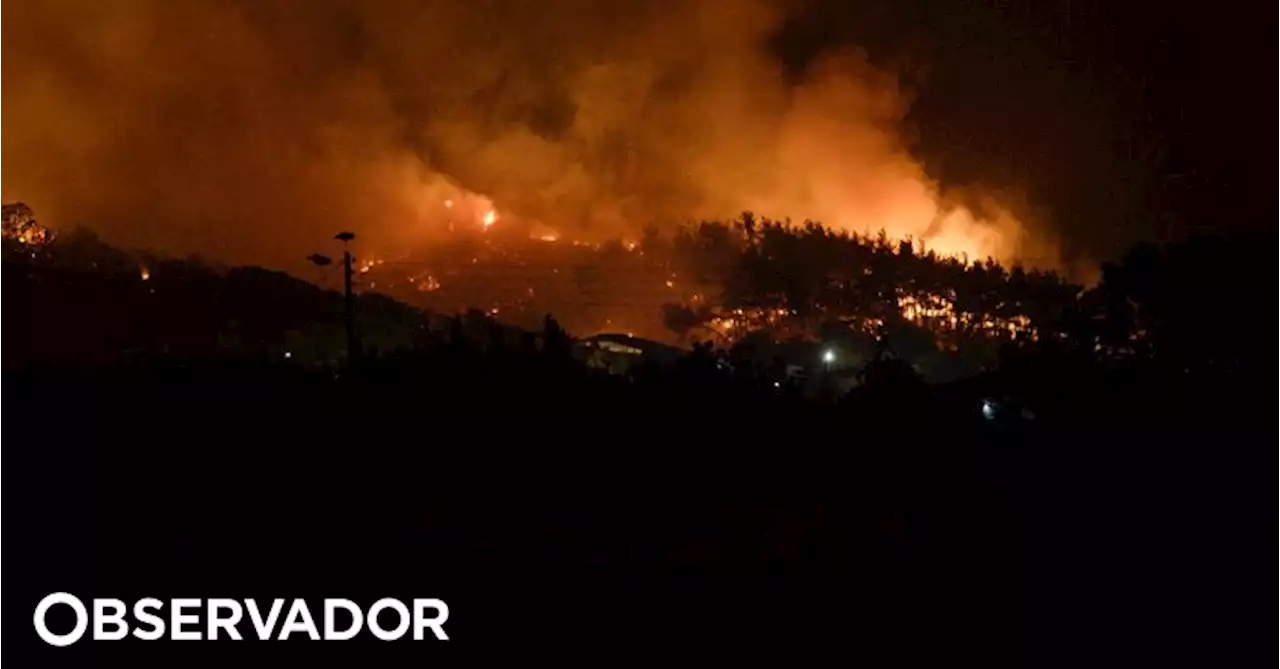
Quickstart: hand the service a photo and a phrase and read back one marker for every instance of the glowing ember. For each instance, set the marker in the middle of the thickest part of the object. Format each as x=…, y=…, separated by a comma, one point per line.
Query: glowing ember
x=20, y=225
x=937, y=312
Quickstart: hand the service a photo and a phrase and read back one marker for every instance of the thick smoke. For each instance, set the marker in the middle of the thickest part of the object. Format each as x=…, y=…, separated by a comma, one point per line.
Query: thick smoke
x=252, y=131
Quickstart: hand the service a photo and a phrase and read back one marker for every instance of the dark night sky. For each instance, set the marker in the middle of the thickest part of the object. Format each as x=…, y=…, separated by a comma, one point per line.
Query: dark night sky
x=1130, y=120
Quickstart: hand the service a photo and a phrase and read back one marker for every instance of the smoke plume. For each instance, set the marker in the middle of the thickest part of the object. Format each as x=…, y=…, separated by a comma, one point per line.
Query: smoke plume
x=252, y=131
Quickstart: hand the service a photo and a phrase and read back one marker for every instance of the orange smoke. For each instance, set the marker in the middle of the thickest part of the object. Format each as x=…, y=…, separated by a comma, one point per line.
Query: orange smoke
x=250, y=132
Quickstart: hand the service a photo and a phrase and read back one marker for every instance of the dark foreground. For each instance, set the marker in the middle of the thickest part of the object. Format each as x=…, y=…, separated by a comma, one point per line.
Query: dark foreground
x=590, y=522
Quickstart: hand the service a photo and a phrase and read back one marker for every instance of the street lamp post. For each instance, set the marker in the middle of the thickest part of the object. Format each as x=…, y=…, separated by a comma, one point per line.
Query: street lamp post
x=348, y=298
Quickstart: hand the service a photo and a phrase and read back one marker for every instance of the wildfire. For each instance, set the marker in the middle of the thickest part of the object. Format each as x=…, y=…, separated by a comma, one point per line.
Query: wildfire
x=454, y=208
x=931, y=311
x=937, y=312
x=746, y=320
x=929, y=307
x=20, y=225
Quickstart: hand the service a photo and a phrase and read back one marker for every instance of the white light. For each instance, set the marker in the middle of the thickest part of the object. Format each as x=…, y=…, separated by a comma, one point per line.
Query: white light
x=777, y=384
x=988, y=409
x=288, y=354
x=828, y=356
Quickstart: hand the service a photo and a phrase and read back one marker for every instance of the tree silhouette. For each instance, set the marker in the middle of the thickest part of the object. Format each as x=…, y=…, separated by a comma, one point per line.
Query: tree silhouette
x=555, y=341
x=799, y=280
x=19, y=225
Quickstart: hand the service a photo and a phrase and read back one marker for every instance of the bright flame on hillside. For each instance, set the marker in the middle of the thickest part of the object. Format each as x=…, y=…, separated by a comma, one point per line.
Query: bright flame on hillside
x=20, y=225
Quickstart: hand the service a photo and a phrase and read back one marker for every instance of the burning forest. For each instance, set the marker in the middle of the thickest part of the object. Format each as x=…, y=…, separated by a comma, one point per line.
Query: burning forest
x=752, y=278
x=519, y=160
x=20, y=226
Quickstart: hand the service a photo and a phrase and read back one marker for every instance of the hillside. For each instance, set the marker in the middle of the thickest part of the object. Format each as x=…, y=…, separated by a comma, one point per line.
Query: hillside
x=80, y=301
